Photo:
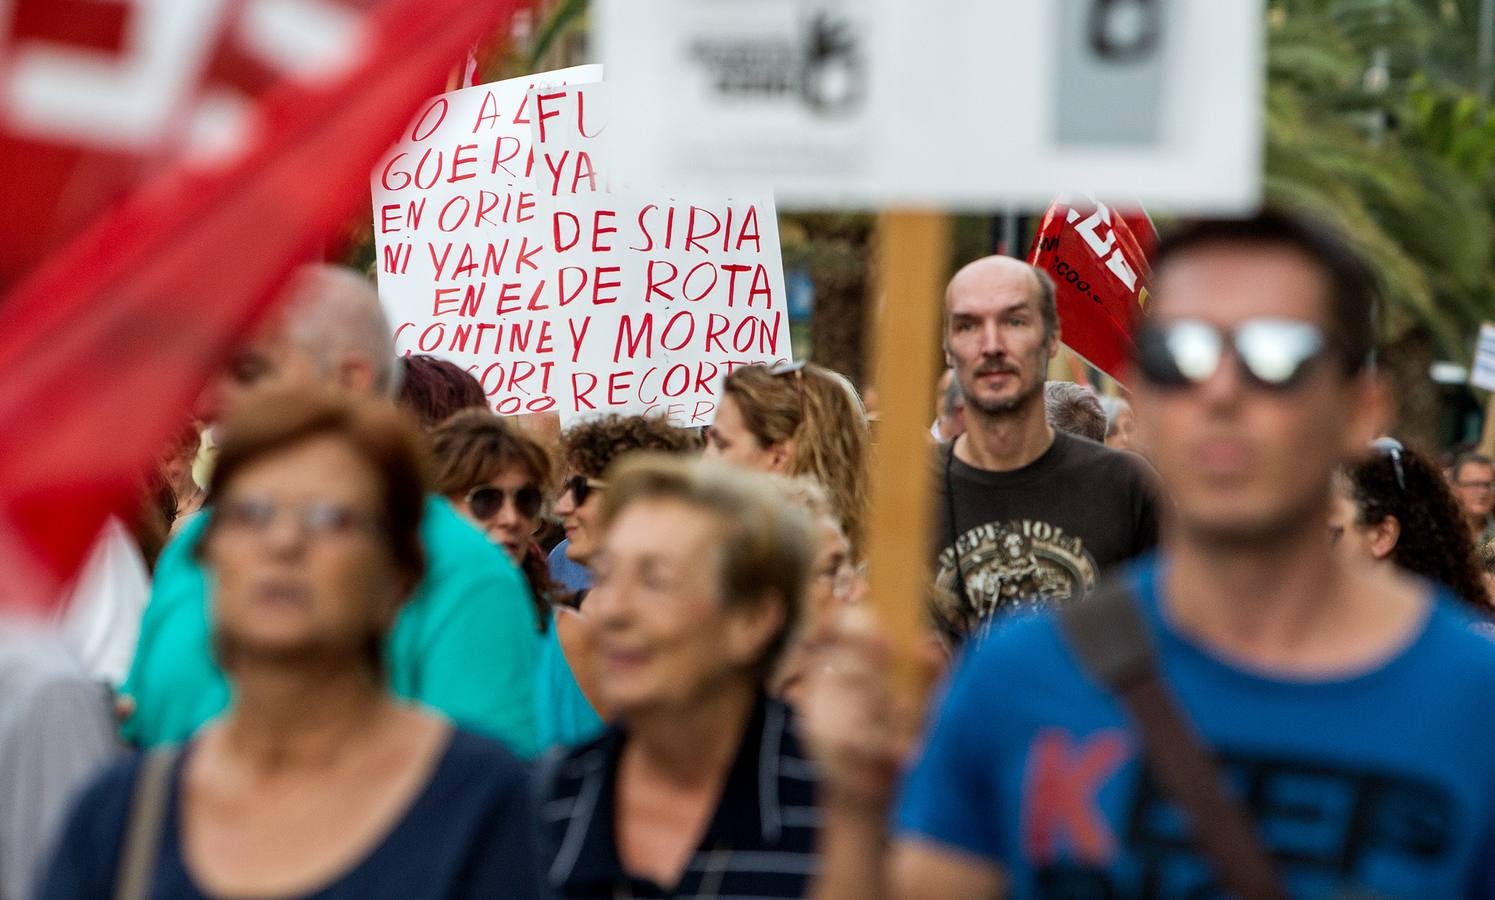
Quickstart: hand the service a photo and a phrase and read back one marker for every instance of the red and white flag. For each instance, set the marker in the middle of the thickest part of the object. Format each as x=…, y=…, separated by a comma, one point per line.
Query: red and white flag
x=1100, y=273
x=171, y=162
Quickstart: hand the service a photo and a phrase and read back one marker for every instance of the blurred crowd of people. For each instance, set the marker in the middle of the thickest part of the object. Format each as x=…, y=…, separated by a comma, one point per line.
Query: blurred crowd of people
x=366, y=638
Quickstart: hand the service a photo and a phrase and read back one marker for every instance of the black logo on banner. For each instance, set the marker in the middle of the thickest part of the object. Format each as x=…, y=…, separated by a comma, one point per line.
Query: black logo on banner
x=824, y=66
x=1125, y=30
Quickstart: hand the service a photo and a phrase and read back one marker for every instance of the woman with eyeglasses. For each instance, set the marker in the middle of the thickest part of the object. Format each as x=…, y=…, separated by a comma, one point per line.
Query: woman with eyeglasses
x=498, y=477
x=317, y=781
x=797, y=419
x=1394, y=508
x=571, y=710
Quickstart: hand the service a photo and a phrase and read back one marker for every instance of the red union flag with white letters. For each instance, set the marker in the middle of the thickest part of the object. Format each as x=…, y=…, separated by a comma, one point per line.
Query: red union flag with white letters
x=170, y=162
x=1100, y=273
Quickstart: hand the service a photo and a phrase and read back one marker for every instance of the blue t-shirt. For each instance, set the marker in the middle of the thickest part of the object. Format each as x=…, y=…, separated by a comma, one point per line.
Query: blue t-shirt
x=567, y=572
x=1380, y=783
x=470, y=833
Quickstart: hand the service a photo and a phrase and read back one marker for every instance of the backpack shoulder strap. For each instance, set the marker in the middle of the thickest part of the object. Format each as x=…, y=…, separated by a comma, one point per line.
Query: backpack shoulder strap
x=1107, y=633
x=137, y=862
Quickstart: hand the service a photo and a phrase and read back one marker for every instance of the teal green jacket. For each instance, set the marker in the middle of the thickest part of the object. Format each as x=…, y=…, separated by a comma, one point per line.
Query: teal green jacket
x=565, y=717
x=465, y=644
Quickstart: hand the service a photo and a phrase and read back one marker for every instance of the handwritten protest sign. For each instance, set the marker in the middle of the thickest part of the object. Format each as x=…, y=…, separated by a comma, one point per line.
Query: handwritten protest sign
x=504, y=247
x=663, y=295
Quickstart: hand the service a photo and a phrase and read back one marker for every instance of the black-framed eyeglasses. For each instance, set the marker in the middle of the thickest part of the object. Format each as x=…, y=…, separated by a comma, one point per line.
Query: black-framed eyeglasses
x=1393, y=448
x=1273, y=354
x=486, y=501
x=580, y=487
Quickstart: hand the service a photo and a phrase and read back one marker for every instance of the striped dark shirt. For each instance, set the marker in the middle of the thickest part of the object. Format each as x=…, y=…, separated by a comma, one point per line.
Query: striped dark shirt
x=760, y=842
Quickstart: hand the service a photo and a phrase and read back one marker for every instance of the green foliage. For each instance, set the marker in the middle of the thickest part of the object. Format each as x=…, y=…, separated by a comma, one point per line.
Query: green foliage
x=569, y=14
x=1374, y=123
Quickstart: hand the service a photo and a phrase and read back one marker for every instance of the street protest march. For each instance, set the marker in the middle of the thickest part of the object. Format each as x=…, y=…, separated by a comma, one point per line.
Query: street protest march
x=507, y=244
x=470, y=449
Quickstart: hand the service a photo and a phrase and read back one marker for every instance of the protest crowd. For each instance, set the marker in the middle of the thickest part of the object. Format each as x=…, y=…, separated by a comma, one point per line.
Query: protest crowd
x=576, y=587
x=1223, y=635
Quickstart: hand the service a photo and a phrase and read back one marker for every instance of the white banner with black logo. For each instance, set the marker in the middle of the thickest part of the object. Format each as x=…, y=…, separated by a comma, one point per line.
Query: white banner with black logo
x=952, y=102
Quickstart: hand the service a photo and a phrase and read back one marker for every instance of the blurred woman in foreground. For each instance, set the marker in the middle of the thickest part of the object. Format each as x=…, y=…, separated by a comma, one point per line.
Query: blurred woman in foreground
x=316, y=781
x=700, y=787
x=1395, y=508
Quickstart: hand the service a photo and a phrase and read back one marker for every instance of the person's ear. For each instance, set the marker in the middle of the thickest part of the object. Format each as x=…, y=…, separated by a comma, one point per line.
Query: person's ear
x=751, y=628
x=781, y=456
x=356, y=374
x=1383, y=537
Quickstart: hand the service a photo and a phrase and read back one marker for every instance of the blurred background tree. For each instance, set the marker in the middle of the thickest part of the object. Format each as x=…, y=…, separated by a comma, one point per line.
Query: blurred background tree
x=1377, y=121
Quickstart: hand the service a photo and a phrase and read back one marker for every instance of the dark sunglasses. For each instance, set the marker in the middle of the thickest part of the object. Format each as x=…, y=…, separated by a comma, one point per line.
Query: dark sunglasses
x=485, y=500
x=580, y=487
x=1393, y=448
x=1275, y=354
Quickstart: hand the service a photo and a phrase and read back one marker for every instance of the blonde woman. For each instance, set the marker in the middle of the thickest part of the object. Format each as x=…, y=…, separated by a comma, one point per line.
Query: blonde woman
x=797, y=419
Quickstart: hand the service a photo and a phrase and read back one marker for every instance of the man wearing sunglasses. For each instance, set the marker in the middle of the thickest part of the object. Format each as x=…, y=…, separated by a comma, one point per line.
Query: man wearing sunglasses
x=1027, y=515
x=1348, y=707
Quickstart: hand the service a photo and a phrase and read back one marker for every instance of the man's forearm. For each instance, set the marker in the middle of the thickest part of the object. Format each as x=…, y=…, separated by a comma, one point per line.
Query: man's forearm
x=853, y=854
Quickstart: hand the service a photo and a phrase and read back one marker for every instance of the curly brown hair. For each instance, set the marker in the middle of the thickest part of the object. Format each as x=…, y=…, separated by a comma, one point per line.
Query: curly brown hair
x=590, y=447
x=1434, y=542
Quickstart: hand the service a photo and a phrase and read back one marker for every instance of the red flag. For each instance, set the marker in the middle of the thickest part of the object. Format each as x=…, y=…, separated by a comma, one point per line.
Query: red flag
x=105, y=346
x=1146, y=233
x=1100, y=274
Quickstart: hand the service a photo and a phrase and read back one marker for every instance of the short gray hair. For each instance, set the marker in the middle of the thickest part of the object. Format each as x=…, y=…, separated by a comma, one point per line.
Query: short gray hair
x=332, y=311
x=1075, y=409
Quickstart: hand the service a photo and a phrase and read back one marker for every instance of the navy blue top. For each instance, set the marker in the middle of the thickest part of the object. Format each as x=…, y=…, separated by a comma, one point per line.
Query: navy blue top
x=1372, y=783
x=760, y=843
x=470, y=833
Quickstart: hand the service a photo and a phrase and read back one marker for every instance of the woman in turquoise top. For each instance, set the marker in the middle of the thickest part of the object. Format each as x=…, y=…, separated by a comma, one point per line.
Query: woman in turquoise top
x=499, y=477
x=465, y=644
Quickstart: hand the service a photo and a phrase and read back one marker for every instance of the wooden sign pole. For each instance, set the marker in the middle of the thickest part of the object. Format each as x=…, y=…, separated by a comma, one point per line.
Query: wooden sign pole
x=913, y=255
